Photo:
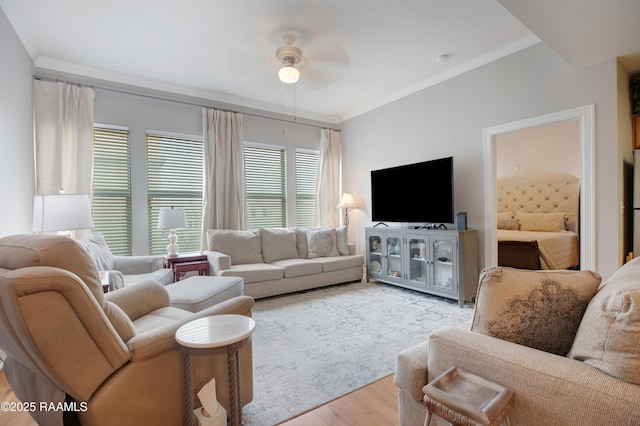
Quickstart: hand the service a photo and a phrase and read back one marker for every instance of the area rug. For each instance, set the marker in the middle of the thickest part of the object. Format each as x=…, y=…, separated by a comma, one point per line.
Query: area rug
x=310, y=348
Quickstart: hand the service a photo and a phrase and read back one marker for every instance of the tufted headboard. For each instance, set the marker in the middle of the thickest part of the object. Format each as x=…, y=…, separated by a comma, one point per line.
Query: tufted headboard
x=541, y=194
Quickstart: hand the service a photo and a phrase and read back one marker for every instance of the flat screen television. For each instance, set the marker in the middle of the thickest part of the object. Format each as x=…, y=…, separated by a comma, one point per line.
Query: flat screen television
x=414, y=193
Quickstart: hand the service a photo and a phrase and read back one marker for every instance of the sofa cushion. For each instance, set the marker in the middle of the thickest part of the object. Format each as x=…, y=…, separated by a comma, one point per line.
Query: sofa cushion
x=322, y=242
x=338, y=263
x=242, y=246
x=278, y=244
x=99, y=251
x=539, y=309
x=299, y=267
x=609, y=335
x=254, y=272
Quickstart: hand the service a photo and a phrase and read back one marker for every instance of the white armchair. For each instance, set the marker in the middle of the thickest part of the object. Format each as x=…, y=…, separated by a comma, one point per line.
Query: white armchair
x=125, y=270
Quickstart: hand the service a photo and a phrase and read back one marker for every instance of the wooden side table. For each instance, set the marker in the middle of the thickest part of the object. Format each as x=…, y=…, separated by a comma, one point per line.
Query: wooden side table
x=184, y=263
x=216, y=334
x=467, y=399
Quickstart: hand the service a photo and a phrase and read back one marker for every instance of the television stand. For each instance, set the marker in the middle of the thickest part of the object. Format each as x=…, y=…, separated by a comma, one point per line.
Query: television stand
x=435, y=261
x=380, y=223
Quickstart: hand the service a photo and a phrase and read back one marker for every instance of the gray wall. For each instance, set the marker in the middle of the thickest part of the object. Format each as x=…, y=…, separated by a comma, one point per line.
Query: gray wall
x=139, y=114
x=16, y=128
x=448, y=120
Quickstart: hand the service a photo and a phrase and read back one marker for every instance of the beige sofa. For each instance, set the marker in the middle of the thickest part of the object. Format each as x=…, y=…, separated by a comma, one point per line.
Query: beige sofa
x=114, y=355
x=529, y=333
x=275, y=261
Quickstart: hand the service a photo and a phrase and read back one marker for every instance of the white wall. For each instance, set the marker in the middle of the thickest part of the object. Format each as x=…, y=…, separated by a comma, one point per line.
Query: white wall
x=16, y=128
x=449, y=118
x=139, y=114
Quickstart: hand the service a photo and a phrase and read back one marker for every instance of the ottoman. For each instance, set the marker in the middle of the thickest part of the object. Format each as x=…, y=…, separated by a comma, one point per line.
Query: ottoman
x=199, y=292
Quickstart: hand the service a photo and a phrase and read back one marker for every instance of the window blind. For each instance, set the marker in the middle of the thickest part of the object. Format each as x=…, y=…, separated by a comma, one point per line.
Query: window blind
x=175, y=176
x=111, y=200
x=265, y=186
x=306, y=182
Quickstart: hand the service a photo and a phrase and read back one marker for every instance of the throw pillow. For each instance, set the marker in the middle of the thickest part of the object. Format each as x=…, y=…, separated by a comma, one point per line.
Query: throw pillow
x=241, y=246
x=544, y=222
x=322, y=243
x=97, y=248
x=341, y=235
x=539, y=309
x=609, y=336
x=278, y=244
x=301, y=242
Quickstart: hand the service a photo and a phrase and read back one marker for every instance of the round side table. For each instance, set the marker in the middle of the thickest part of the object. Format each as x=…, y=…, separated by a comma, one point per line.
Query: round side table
x=220, y=334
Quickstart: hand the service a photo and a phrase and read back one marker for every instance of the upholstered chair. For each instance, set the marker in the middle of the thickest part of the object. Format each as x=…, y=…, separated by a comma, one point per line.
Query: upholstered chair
x=114, y=355
x=125, y=270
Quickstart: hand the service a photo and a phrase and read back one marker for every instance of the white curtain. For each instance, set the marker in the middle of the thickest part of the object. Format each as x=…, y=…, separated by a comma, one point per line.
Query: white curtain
x=225, y=206
x=63, y=116
x=328, y=194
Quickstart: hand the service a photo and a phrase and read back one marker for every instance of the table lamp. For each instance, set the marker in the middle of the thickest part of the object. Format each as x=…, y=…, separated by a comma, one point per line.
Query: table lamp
x=172, y=218
x=346, y=202
x=62, y=213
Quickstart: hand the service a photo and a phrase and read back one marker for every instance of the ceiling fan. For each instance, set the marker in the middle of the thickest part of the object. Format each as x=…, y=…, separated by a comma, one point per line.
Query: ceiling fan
x=323, y=63
x=289, y=56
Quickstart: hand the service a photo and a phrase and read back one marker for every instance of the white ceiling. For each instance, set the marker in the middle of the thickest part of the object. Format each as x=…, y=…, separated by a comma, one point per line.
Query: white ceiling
x=359, y=54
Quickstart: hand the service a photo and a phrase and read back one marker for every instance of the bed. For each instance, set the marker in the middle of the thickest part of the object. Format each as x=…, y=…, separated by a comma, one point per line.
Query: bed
x=538, y=219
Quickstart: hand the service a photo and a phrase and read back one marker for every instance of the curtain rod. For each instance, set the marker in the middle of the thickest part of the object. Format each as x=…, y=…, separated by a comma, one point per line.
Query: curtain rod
x=160, y=98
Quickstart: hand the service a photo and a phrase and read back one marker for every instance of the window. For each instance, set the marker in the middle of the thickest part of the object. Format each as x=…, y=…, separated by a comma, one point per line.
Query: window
x=175, y=176
x=306, y=182
x=111, y=203
x=265, y=186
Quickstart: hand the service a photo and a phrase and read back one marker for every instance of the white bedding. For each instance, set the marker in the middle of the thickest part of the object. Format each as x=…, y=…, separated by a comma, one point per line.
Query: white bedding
x=558, y=250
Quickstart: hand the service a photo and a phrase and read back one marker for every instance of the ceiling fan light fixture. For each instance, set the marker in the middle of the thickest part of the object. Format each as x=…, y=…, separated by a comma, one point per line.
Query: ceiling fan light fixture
x=289, y=74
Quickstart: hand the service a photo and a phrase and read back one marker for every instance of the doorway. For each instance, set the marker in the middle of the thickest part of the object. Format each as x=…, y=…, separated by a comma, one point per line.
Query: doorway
x=585, y=118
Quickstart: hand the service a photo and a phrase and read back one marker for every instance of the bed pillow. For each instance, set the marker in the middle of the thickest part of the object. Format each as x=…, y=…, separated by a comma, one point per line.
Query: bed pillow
x=544, y=222
x=511, y=224
x=506, y=215
x=538, y=309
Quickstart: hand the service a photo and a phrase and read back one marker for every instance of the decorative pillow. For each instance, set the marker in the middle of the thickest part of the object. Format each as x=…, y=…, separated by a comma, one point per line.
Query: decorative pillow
x=241, y=246
x=511, y=224
x=278, y=244
x=539, y=309
x=341, y=235
x=545, y=222
x=506, y=215
x=99, y=251
x=301, y=242
x=322, y=243
x=609, y=335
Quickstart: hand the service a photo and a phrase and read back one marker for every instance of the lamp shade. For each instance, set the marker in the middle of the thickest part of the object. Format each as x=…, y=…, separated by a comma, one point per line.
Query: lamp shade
x=347, y=201
x=61, y=212
x=171, y=218
x=289, y=74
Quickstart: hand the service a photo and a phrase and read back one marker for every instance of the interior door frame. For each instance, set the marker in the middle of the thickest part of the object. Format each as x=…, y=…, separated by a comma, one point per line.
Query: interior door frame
x=585, y=115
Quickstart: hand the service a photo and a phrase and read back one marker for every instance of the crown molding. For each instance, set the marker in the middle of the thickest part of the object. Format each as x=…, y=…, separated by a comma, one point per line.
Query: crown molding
x=494, y=55
x=91, y=75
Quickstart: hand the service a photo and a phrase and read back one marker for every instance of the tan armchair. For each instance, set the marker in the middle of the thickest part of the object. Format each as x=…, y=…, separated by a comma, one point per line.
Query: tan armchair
x=115, y=355
x=125, y=270
x=566, y=344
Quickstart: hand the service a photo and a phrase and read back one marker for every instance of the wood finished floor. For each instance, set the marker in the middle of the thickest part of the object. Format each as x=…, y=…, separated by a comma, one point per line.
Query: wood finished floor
x=373, y=405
